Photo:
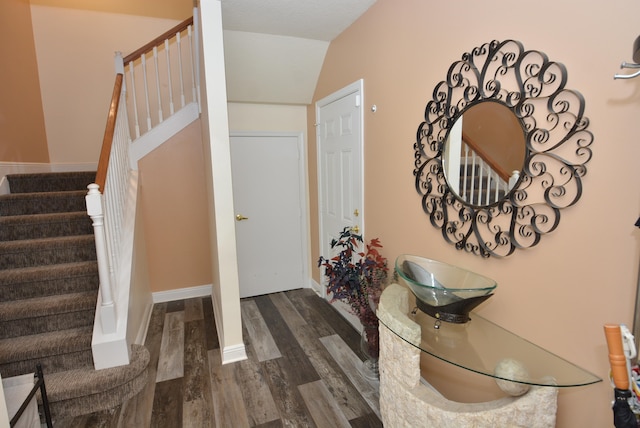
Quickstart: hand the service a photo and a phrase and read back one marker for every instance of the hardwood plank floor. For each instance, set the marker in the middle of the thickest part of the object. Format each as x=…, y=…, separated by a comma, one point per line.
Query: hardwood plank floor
x=303, y=370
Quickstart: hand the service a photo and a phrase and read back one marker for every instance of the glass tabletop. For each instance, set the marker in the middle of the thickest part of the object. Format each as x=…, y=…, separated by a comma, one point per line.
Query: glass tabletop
x=479, y=345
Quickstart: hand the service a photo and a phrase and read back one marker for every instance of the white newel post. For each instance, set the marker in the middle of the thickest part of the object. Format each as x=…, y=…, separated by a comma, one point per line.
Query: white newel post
x=107, y=307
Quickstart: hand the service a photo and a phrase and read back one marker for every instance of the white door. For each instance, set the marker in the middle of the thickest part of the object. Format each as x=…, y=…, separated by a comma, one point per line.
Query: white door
x=340, y=165
x=269, y=196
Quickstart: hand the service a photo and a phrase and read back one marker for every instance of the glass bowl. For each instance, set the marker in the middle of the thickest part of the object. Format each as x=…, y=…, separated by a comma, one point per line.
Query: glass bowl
x=444, y=291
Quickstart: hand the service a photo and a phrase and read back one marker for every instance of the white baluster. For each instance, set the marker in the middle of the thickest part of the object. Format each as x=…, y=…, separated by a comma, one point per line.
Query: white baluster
x=474, y=167
x=146, y=90
x=466, y=173
x=107, y=307
x=182, y=98
x=135, y=102
x=112, y=244
x=483, y=185
x=157, y=68
x=498, y=186
x=194, y=69
x=169, y=82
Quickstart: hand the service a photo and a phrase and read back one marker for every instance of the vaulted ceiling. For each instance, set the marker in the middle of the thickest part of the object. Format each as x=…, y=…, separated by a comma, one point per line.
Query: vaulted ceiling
x=274, y=49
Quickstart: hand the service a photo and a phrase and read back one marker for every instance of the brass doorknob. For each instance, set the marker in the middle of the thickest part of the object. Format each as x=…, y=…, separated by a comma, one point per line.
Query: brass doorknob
x=240, y=217
x=355, y=229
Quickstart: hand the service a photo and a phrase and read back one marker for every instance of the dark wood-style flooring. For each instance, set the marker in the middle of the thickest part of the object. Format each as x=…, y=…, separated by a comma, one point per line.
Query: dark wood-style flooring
x=303, y=370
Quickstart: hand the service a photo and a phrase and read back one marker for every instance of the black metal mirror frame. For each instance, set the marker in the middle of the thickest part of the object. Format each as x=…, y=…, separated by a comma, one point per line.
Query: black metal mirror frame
x=557, y=148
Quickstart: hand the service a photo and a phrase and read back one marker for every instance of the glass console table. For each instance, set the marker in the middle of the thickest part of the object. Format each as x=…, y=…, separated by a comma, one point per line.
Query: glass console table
x=479, y=345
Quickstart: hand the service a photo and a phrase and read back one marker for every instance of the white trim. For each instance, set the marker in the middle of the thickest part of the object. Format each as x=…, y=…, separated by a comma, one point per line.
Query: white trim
x=315, y=286
x=182, y=293
x=144, y=325
x=153, y=139
x=231, y=354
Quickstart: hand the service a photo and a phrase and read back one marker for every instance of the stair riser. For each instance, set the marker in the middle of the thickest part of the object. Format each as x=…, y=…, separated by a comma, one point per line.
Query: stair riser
x=50, y=364
x=79, y=226
x=47, y=255
x=48, y=323
x=54, y=182
x=39, y=204
x=48, y=287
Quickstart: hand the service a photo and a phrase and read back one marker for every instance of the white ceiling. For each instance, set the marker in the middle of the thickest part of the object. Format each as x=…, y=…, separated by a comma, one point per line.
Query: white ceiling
x=274, y=49
x=307, y=19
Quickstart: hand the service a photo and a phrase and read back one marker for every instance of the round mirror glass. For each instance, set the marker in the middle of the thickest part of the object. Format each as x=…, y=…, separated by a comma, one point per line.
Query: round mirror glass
x=484, y=153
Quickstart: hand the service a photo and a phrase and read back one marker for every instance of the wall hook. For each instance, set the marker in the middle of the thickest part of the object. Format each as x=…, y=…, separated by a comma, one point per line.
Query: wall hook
x=628, y=76
x=636, y=64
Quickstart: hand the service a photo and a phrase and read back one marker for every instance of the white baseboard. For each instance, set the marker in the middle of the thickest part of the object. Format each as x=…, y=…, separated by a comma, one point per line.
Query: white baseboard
x=231, y=354
x=317, y=288
x=144, y=326
x=182, y=293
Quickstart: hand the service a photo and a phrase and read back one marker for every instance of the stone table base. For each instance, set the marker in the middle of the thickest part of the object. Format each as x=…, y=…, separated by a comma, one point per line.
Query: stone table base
x=406, y=402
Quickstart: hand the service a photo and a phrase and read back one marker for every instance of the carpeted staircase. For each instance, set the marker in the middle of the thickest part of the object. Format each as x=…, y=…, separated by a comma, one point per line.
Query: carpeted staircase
x=48, y=292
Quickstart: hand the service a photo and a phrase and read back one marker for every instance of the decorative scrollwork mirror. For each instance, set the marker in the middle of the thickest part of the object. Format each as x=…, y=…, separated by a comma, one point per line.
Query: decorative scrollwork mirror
x=502, y=149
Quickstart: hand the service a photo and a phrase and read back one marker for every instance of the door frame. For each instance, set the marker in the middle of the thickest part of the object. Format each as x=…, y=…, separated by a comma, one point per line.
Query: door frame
x=304, y=189
x=358, y=88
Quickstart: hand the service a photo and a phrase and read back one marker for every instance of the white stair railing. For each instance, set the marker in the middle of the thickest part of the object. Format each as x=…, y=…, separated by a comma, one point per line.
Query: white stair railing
x=109, y=201
x=480, y=184
x=152, y=76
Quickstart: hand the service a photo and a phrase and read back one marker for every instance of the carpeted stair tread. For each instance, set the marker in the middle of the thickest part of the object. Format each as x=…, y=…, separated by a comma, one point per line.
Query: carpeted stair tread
x=118, y=384
x=33, y=226
x=43, y=306
x=45, y=314
x=41, y=345
x=53, y=181
x=87, y=381
x=42, y=202
x=34, y=281
x=46, y=251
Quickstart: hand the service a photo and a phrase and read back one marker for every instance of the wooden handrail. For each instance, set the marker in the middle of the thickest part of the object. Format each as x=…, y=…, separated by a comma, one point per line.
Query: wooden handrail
x=485, y=157
x=103, y=163
x=158, y=41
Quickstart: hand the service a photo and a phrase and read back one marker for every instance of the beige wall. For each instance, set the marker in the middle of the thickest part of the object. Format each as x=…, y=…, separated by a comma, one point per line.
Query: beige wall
x=175, y=212
x=22, y=131
x=583, y=275
x=267, y=117
x=75, y=52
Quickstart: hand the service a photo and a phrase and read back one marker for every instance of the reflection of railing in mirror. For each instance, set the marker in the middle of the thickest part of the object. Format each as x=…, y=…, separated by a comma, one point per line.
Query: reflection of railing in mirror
x=481, y=181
